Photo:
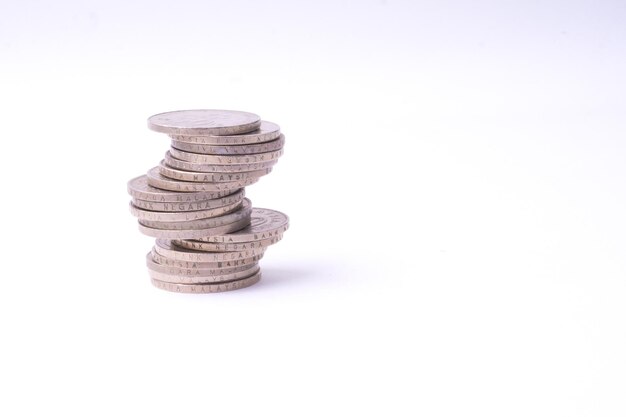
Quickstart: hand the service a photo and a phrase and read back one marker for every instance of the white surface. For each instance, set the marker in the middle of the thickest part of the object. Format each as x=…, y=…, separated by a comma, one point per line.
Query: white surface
x=454, y=174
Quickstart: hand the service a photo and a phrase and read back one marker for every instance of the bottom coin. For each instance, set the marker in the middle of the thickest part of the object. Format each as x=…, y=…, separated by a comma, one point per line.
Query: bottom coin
x=207, y=288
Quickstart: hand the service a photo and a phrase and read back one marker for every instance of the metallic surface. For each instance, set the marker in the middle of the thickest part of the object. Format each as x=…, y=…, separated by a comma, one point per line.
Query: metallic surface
x=200, y=167
x=183, y=216
x=264, y=224
x=240, y=213
x=266, y=132
x=200, y=267
x=207, y=288
x=193, y=233
x=235, y=197
x=225, y=159
x=165, y=248
x=230, y=149
x=140, y=189
x=166, y=267
x=204, y=122
x=227, y=247
x=204, y=279
x=181, y=175
x=156, y=180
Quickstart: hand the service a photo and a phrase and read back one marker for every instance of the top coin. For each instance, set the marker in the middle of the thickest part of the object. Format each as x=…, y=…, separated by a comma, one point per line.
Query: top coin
x=204, y=122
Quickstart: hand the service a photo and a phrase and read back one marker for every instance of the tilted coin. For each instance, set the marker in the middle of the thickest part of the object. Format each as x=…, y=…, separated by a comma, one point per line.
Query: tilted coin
x=207, y=288
x=140, y=189
x=264, y=224
x=268, y=131
x=199, y=224
x=203, y=279
x=183, y=216
x=240, y=213
x=227, y=247
x=236, y=197
x=201, y=267
x=204, y=122
x=230, y=149
x=193, y=233
x=165, y=247
x=155, y=179
x=170, y=269
x=181, y=175
x=225, y=159
x=196, y=167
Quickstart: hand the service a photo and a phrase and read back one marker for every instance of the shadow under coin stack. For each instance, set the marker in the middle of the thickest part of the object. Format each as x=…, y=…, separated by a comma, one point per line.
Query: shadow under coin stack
x=209, y=238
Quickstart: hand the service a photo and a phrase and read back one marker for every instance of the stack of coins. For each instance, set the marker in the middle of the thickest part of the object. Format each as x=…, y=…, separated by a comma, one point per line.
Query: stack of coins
x=209, y=238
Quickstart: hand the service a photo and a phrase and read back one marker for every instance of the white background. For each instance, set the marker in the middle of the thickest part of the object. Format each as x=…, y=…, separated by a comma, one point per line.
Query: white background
x=454, y=174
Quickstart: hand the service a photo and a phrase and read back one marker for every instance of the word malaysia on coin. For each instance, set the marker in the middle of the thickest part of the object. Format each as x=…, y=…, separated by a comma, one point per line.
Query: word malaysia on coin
x=208, y=288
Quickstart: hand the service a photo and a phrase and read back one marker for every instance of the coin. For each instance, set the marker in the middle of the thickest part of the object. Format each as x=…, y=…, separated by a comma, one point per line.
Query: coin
x=190, y=205
x=243, y=211
x=227, y=247
x=183, y=216
x=264, y=224
x=165, y=247
x=225, y=159
x=140, y=189
x=168, y=268
x=266, y=132
x=204, y=279
x=181, y=175
x=207, y=288
x=193, y=234
x=155, y=179
x=230, y=149
x=196, y=167
x=204, y=122
x=200, y=267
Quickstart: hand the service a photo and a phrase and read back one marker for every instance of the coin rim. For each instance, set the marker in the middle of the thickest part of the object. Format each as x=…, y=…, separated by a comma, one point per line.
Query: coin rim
x=193, y=233
x=233, y=237
x=239, y=139
x=202, y=131
x=213, y=288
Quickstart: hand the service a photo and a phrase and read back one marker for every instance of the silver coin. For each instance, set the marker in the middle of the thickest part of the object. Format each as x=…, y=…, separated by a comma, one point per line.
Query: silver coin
x=165, y=247
x=190, y=205
x=193, y=234
x=230, y=149
x=264, y=224
x=225, y=159
x=243, y=211
x=227, y=247
x=266, y=132
x=155, y=179
x=200, y=267
x=139, y=189
x=183, y=216
x=181, y=175
x=204, y=279
x=195, y=167
x=207, y=288
x=152, y=264
x=204, y=122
